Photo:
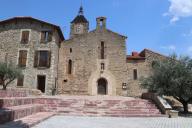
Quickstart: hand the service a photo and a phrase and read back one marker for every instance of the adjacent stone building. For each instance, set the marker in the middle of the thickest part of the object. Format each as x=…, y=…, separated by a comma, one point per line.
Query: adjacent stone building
x=88, y=63
x=33, y=45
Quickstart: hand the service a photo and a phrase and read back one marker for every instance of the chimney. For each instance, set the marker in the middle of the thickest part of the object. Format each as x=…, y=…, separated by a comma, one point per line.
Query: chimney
x=135, y=54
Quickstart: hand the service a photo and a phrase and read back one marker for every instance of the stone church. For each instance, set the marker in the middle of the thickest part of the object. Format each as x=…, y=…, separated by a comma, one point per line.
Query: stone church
x=90, y=62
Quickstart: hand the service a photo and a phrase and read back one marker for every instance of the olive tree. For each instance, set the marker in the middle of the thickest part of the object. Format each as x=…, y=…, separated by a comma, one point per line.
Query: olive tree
x=172, y=77
x=8, y=73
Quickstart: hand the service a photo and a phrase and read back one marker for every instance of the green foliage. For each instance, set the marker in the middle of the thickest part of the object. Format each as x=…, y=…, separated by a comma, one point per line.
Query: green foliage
x=8, y=73
x=172, y=77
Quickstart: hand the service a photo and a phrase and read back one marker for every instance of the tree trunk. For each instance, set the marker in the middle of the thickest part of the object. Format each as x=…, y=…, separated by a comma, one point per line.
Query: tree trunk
x=185, y=107
x=4, y=87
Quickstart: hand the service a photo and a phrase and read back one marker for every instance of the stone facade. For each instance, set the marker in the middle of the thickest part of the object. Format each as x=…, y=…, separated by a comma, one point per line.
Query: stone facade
x=142, y=63
x=10, y=45
x=83, y=49
x=88, y=63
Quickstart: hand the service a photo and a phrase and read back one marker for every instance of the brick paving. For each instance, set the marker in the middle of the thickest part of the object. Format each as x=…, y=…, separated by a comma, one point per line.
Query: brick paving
x=113, y=122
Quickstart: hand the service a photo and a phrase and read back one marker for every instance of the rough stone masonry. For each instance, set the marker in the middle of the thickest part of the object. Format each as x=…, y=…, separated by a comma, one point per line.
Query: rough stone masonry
x=90, y=62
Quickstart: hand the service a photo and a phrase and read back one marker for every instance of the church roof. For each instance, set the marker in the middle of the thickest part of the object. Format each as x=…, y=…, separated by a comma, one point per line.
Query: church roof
x=80, y=19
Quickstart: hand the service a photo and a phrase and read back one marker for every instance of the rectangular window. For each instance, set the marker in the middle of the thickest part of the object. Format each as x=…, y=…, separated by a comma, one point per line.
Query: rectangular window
x=42, y=59
x=25, y=37
x=135, y=74
x=22, y=58
x=46, y=36
x=20, y=81
x=102, y=50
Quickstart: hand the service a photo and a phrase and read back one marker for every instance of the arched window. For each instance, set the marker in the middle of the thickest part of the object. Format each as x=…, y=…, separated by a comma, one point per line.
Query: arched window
x=102, y=50
x=70, y=67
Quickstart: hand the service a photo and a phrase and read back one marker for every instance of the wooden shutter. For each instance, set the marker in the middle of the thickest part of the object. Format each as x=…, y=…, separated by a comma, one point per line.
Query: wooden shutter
x=20, y=81
x=50, y=34
x=22, y=58
x=36, y=58
x=49, y=59
x=25, y=37
x=42, y=37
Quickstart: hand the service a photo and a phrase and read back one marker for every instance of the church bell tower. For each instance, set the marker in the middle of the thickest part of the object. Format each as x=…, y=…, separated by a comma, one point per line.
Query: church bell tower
x=79, y=25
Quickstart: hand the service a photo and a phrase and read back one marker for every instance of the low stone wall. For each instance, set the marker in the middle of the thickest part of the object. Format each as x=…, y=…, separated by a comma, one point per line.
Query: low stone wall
x=19, y=92
x=160, y=102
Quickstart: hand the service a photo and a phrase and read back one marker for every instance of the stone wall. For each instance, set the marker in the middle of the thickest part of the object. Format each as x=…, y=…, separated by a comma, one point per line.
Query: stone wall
x=144, y=69
x=10, y=37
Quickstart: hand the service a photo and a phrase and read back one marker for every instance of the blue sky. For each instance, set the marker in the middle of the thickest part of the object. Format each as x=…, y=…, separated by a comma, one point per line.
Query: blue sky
x=163, y=26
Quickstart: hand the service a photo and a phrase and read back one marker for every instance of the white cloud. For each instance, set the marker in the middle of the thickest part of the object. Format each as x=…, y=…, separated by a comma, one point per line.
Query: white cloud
x=169, y=47
x=179, y=9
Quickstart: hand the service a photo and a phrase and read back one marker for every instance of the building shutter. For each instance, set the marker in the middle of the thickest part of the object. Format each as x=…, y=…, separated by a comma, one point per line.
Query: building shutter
x=25, y=37
x=20, y=81
x=49, y=59
x=22, y=58
x=50, y=34
x=36, y=57
x=42, y=37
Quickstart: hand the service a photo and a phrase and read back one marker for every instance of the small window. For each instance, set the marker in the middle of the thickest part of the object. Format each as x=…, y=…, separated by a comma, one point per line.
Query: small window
x=22, y=58
x=102, y=50
x=135, y=74
x=102, y=66
x=42, y=59
x=46, y=36
x=25, y=37
x=20, y=81
x=70, y=50
x=70, y=67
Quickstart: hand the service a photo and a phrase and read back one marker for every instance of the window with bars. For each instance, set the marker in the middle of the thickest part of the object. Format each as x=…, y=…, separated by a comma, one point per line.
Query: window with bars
x=20, y=81
x=22, y=58
x=46, y=36
x=25, y=37
x=42, y=59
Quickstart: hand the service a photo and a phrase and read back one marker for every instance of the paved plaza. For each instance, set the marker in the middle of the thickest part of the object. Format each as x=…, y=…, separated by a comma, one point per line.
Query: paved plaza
x=112, y=122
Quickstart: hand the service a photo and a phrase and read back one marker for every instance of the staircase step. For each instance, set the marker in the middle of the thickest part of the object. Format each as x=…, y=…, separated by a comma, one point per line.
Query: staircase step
x=16, y=112
x=15, y=101
x=111, y=115
x=12, y=92
x=28, y=121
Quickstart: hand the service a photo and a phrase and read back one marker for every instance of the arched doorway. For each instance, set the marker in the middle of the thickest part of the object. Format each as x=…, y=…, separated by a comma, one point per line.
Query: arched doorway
x=102, y=86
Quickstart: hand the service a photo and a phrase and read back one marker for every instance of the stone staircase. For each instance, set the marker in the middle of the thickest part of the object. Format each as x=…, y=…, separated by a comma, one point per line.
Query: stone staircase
x=21, y=112
x=100, y=106
x=26, y=111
